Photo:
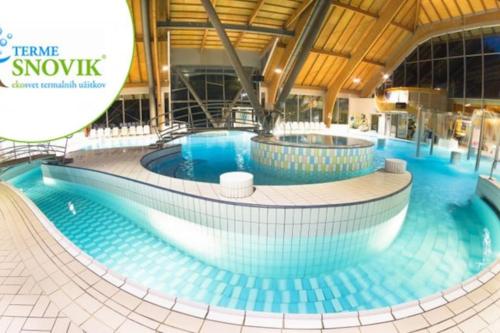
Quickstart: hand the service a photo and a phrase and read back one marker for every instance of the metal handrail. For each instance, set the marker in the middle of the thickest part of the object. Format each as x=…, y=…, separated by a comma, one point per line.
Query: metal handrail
x=27, y=150
x=495, y=159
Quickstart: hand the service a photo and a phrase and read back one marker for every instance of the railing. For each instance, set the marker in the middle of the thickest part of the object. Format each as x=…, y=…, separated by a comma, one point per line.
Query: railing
x=196, y=121
x=28, y=152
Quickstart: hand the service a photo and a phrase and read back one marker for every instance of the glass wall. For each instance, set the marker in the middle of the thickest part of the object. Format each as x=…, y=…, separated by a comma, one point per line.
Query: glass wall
x=303, y=108
x=467, y=64
x=219, y=90
x=341, y=111
x=130, y=110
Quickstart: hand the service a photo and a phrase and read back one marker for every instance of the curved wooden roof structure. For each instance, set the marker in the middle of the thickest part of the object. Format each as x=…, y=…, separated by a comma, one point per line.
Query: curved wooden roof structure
x=359, y=38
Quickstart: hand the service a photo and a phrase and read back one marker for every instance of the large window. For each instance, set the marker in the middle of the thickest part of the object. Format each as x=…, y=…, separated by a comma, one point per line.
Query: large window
x=466, y=64
x=492, y=76
x=398, y=78
x=439, y=49
x=304, y=108
x=425, y=74
x=440, y=73
x=291, y=108
x=473, y=83
x=341, y=111
x=411, y=74
x=456, y=85
x=130, y=110
x=218, y=89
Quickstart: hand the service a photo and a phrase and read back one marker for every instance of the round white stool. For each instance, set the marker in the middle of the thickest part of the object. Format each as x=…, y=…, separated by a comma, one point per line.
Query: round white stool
x=394, y=165
x=236, y=184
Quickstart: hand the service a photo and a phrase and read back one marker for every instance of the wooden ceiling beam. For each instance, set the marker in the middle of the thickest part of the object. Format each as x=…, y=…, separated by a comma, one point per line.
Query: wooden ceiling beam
x=345, y=56
x=205, y=34
x=425, y=32
x=255, y=12
x=447, y=9
x=354, y=9
x=238, y=41
x=402, y=26
x=366, y=13
x=436, y=10
x=302, y=8
x=252, y=18
x=332, y=53
x=180, y=25
x=386, y=16
x=458, y=7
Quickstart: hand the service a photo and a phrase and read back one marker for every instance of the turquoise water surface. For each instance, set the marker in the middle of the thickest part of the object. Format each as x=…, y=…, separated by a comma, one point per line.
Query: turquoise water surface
x=448, y=236
x=206, y=156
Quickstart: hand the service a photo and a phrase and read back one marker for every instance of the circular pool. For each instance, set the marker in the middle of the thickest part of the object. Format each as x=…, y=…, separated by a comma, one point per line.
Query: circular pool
x=317, y=141
x=312, y=156
x=272, y=160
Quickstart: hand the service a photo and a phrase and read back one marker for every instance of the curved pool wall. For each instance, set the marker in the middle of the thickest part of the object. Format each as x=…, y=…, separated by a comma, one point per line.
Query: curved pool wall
x=314, y=160
x=14, y=171
x=264, y=241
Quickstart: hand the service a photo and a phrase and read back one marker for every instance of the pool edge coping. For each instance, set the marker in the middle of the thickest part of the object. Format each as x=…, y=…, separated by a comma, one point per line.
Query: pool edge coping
x=263, y=319
x=272, y=140
x=249, y=204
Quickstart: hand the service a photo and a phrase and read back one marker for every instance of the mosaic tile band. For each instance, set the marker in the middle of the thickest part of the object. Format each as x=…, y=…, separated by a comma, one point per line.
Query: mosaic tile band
x=313, y=162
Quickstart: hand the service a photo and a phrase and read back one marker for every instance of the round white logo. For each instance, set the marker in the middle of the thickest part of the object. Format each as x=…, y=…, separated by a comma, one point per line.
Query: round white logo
x=62, y=63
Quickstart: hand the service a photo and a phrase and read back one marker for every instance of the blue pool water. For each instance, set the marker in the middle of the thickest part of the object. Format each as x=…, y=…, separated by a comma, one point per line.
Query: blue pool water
x=206, y=156
x=449, y=235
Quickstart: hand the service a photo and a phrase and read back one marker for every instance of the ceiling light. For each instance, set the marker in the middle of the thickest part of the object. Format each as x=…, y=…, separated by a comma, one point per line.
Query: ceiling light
x=356, y=80
x=165, y=68
x=386, y=76
x=278, y=70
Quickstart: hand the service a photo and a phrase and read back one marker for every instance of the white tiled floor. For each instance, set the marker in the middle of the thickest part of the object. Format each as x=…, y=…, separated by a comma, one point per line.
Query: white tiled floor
x=23, y=303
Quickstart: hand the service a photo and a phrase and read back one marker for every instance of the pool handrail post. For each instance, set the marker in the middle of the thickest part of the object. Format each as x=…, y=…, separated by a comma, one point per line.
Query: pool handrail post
x=495, y=159
x=469, y=142
x=65, y=150
x=480, y=143
x=419, y=127
x=434, y=119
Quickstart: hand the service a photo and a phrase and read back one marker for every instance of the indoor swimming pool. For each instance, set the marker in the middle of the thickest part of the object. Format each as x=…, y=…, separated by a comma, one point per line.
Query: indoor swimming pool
x=448, y=236
x=235, y=151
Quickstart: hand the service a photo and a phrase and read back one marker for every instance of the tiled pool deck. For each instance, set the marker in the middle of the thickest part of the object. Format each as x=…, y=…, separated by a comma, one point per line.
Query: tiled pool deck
x=125, y=162
x=46, y=284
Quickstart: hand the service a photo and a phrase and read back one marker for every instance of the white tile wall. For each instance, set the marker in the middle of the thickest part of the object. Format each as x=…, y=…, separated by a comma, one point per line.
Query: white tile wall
x=296, y=240
x=490, y=190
